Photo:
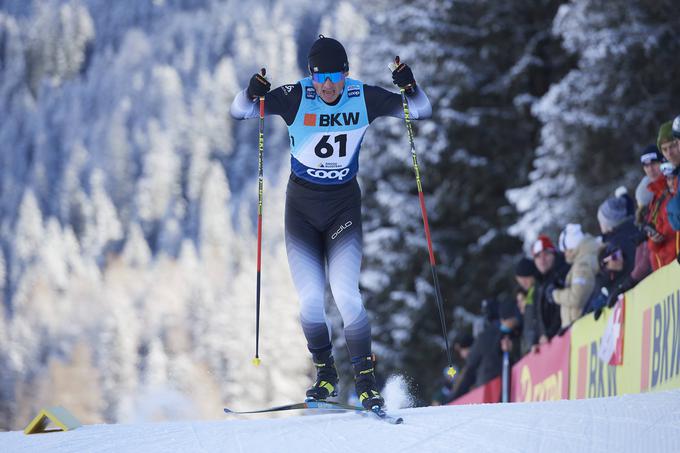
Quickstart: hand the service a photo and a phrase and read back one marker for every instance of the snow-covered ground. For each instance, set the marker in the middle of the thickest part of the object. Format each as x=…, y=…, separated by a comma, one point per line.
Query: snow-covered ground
x=633, y=423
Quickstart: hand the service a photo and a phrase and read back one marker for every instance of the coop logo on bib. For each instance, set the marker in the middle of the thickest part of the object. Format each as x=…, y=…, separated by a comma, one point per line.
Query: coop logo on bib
x=328, y=174
x=353, y=91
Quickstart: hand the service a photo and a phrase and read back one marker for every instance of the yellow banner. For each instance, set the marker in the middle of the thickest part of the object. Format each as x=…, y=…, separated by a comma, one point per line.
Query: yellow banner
x=651, y=342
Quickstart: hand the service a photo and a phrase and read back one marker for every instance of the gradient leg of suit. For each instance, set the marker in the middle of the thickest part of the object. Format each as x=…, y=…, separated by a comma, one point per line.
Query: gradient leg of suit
x=325, y=227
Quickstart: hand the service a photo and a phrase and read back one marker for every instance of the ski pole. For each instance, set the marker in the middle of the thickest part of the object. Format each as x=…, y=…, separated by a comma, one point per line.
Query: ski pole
x=433, y=265
x=505, y=380
x=260, y=181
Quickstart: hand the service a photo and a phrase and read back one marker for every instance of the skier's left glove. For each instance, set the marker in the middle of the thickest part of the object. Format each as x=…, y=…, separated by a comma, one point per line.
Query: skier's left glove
x=402, y=77
x=258, y=86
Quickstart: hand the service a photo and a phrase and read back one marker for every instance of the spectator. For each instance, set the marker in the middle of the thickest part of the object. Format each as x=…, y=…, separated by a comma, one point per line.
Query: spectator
x=485, y=360
x=552, y=269
x=618, y=229
x=650, y=159
x=673, y=207
x=581, y=251
x=462, y=344
x=525, y=275
x=663, y=241
x=618, y=233
x=613, y=277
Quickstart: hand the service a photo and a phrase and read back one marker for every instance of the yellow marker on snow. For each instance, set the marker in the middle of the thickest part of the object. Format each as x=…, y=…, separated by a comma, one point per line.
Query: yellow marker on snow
x=256, y=361
x=57, y=415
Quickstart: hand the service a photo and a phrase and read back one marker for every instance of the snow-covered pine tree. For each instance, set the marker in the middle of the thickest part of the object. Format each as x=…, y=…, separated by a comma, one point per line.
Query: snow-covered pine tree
x=603, y=112
x=482, y=64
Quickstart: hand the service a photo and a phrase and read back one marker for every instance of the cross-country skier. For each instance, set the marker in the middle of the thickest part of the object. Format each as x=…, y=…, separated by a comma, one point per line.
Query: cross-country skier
x=327, y=115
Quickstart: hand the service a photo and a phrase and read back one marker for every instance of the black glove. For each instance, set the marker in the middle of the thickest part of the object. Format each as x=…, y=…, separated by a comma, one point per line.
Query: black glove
x=597, y=313
x=258, y=86
x=612, y=299
x=402, y=77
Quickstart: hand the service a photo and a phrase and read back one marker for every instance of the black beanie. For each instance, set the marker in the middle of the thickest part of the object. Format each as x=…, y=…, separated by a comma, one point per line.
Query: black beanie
x=327, y=55
x=526, y=268
x=650, y=154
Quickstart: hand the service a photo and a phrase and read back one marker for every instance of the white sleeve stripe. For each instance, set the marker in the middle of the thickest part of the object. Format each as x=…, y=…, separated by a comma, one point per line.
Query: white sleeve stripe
x=243, y=108
x=419, y=105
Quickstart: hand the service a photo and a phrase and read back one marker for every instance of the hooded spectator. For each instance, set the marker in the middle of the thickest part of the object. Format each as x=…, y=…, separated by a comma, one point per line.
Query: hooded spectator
x=580, y=250
x=552, y=269
x=664, y=241
x=643, y=197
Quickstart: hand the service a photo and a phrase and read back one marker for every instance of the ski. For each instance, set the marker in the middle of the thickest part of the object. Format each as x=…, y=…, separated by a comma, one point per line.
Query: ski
x=322, y=405
x=377, y=412
x=380, y=414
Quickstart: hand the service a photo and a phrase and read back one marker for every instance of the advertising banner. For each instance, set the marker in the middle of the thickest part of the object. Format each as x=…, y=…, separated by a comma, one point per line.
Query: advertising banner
x=653, y=338
x=650, y=359
x=543, y=376
x=487, y=393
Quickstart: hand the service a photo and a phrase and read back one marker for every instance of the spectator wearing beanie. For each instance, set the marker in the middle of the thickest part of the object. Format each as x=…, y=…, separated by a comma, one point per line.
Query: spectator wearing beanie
x=663, y=241
x=525, y=275
x=581, y=250
x=619, y=230
x=651, y=159
x=552, y=269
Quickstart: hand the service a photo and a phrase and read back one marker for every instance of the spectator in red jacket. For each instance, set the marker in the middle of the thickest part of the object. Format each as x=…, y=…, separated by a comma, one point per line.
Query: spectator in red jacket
x=664, y=242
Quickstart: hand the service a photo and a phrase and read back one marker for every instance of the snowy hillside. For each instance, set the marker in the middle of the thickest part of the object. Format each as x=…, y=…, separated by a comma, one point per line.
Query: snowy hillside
x=632, y=423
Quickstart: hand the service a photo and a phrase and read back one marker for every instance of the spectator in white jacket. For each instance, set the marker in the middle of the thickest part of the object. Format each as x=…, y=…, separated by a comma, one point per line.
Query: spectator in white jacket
x=580, y=250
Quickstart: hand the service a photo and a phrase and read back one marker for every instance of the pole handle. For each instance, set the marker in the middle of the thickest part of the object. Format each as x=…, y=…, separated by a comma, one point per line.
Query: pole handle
x=395, y=64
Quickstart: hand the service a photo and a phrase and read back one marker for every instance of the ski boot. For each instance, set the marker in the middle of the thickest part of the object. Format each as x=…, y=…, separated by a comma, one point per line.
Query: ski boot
x=367, y=389
x=326, y=384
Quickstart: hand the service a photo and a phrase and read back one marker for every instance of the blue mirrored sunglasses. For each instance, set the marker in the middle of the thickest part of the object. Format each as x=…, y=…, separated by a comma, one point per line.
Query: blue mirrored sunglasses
x=320, y=77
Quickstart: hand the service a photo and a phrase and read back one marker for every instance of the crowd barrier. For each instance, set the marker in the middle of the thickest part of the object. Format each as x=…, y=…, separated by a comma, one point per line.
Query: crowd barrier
x=633, y=347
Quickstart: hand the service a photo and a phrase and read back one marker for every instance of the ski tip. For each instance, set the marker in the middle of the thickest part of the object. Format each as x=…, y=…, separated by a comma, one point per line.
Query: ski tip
x=256, y=361
x=228, y=411
x=451, y=372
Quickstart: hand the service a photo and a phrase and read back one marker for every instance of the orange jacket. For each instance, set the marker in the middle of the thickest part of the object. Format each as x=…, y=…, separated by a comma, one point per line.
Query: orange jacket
x=662, y=253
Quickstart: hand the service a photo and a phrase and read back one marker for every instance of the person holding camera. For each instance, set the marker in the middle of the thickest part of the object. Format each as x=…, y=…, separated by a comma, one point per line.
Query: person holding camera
x=663, y=240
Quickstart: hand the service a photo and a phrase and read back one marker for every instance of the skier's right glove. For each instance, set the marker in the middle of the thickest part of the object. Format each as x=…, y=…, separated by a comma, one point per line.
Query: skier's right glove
x=402, y=77
x=258, y=86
